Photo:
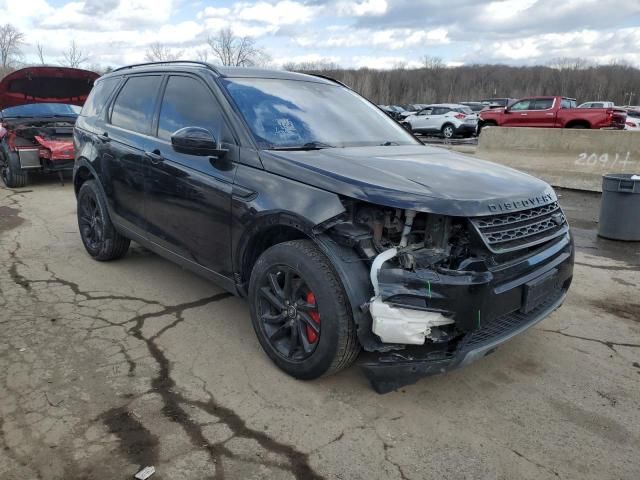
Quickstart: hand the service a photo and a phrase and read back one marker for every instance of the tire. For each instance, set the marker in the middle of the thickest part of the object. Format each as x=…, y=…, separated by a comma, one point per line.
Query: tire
x=579, y=126
x=448, y=130
x=320, y=299
x=99, y=236
x=12, y=174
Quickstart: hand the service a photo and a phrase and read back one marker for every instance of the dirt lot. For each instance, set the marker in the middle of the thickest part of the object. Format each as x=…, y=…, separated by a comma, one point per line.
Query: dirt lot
x=105, y=367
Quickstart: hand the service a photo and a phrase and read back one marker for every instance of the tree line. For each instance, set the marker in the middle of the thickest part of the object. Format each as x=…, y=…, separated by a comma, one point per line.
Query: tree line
x=575, y=78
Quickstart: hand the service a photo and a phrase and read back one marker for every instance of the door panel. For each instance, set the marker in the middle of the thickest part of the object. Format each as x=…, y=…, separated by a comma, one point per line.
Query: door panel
x=188, y=197
x=122, y=145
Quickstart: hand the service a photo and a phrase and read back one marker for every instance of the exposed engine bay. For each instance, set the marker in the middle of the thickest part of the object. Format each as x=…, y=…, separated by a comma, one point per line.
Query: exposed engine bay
x=431, y=273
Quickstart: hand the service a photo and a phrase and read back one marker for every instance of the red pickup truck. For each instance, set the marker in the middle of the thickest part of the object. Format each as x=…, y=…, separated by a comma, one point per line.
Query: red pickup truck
x=552, y=112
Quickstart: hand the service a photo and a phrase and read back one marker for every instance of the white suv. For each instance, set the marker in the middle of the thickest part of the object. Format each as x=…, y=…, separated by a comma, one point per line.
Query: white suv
x=448, y=119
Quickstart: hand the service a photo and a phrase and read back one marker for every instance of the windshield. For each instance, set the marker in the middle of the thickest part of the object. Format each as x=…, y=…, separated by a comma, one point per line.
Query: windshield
x=42, y=110
x=292, y=113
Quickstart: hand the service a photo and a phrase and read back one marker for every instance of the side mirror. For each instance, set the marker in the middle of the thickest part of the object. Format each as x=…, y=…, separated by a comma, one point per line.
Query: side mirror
x=196, y=141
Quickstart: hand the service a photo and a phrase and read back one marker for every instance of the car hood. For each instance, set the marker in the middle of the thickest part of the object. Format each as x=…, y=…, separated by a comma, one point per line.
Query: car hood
x=46, y=85
x=416, y=177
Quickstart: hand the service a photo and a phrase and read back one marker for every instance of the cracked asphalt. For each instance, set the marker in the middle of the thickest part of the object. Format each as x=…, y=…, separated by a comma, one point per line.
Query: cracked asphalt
x=108, y=367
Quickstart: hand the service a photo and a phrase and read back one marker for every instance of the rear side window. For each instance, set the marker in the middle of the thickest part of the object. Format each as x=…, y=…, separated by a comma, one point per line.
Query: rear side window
x=98, y=96
x=134, y=106
x=543, y=104
x=188, y=103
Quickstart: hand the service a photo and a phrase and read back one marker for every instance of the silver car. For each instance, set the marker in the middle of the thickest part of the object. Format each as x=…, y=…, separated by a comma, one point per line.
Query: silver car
x=447, y=119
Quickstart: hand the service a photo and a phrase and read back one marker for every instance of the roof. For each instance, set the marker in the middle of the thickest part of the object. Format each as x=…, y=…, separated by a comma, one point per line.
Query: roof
x=227, y=72
x=448, y=105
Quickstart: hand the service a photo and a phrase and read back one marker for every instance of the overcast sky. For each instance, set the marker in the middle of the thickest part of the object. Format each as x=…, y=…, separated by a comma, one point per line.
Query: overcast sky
x=373, y=33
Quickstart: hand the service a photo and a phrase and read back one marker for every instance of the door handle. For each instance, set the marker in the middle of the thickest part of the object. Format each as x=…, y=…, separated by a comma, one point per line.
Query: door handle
x=523, y=114
x=154, y=157
x=550, y=114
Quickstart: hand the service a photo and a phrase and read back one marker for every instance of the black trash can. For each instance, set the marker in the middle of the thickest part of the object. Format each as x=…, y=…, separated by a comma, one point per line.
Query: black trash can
x=620, y=207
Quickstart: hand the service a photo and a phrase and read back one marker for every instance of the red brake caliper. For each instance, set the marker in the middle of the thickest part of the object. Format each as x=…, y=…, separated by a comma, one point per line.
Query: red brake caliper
x=315, y=316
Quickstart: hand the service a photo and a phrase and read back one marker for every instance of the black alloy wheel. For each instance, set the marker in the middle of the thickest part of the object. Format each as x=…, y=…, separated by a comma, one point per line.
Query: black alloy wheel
x=288, y=314
x=90, y=222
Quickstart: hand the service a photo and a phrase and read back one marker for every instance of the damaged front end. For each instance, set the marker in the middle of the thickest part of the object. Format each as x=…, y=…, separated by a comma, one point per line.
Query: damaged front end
x=446, y=290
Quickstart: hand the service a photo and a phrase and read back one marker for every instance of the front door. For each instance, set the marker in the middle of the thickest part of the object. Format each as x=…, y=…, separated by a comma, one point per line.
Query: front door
x=188, y=197
x=518, y=114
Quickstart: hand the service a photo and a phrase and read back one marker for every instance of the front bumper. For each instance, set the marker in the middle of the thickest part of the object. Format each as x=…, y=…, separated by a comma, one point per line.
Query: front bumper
x=394, y=370
x=490, y=307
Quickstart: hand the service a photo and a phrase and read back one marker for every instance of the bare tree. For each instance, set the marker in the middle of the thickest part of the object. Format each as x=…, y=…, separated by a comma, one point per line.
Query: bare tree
x=11, y=42
x=202, y=55
x=158, y=52
x=432, y=63
x=74, y=56
x=40, y=49
x=235, y=51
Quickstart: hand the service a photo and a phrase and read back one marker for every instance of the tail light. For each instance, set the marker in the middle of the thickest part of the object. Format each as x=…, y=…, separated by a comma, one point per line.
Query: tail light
x=460, y=116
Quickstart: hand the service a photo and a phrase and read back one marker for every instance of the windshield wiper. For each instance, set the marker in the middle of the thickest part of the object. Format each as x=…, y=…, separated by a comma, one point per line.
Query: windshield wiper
x=388, y=144
x=307, y=146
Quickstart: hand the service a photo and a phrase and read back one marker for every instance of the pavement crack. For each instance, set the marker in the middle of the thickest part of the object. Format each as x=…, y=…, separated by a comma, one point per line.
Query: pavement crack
x=165, y=386
x=611, y=268
x=606, y=343
x=539, y=465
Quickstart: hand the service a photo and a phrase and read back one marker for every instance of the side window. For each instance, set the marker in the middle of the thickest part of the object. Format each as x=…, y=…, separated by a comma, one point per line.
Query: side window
x=188, y=102
x=98, y=96
x=543, y=104
x=134, y=106
x=438, y=111
x=522, y=105
x=565, y=103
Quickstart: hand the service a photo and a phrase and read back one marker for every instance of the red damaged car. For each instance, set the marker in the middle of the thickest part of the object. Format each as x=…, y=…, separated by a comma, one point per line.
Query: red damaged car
x=38, y=109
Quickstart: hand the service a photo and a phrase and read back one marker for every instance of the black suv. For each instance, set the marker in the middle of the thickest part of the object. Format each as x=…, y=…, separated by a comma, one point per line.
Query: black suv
x=342, y=230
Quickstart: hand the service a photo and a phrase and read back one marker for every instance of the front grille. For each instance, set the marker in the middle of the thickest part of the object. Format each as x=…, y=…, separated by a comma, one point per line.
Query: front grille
x=506, y=324
x=512, y=231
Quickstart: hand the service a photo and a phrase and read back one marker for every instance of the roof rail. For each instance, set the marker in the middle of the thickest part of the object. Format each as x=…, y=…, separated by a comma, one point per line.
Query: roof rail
x=171, y=62
x=327, y=77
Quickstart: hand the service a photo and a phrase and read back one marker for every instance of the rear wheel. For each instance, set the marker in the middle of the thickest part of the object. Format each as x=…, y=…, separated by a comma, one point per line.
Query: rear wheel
x=300, y=312
x=578, y=125
x=12, y=174
x=448, y=130
x=99, y=236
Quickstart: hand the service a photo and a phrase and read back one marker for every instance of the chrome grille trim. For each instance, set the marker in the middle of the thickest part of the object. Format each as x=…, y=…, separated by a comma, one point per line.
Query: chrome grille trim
x=507, y=232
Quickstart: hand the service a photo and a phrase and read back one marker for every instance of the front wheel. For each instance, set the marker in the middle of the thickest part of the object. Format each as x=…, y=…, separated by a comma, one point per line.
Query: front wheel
x=300, y=312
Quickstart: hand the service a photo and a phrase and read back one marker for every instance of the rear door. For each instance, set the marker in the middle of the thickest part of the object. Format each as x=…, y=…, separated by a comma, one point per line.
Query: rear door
x=125, y=138
x=188, y=197
x=542, y=113
x=438, y=118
